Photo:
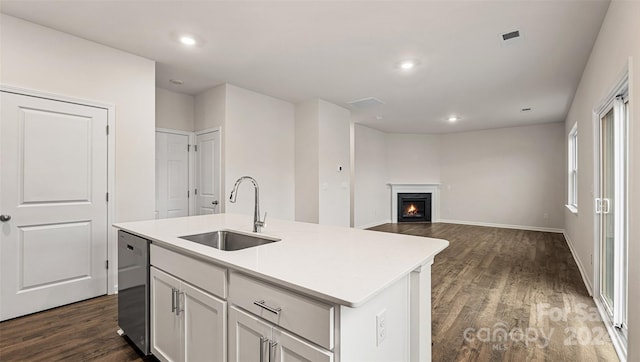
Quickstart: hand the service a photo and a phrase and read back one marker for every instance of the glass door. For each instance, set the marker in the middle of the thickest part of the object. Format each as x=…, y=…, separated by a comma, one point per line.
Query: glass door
x=611, y=208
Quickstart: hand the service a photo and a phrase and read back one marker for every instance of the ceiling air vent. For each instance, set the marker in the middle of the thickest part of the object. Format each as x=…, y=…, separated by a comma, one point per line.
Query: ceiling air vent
x=511, y=35
x=365, y=103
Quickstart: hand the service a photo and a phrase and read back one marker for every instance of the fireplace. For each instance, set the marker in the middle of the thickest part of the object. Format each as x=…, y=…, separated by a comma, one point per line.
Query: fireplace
x=414, y=207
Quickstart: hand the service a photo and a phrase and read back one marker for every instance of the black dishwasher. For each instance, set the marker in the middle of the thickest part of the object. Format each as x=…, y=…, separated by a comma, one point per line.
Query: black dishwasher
x=133, y=289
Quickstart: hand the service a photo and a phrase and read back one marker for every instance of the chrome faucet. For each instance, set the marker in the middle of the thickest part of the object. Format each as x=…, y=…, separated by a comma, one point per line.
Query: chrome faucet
x=257, y=223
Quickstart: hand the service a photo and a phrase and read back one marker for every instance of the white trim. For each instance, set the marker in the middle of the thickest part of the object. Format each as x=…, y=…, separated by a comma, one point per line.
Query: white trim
x=433, y=189
x=173, y=131
x=572, y=208
x=583, y=273
x=503, y=226
x=372, y=224
x=112, y=245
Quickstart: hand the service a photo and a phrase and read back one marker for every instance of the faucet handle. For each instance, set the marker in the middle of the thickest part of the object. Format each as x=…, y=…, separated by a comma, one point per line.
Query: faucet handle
x=264, y=220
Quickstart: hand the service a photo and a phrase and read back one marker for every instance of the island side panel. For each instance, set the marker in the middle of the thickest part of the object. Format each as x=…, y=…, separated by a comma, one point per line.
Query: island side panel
x=420, y=313
x=358, y=335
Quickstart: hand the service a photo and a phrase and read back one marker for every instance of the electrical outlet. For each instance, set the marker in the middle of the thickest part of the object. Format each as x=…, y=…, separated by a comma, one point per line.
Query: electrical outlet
x=381, y=326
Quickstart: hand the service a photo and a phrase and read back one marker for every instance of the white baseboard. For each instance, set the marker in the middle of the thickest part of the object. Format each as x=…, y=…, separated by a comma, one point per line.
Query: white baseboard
x=587, y=281
x=504, y=226
x=372, y=224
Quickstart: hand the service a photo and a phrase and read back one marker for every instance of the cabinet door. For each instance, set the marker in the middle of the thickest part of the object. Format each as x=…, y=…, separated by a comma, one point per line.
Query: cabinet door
x=205, y=325
x=165, y=323
x=248, y=337
x=289, y=348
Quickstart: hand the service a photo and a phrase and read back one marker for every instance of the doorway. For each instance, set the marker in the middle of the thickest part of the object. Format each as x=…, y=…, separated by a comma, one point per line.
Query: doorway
x=188, y=173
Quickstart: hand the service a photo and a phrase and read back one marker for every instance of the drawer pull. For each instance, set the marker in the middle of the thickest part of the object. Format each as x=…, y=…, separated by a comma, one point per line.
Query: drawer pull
x=263, y=305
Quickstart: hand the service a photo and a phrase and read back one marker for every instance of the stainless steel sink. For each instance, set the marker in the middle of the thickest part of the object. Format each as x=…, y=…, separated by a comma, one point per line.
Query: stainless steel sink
x=229, y=240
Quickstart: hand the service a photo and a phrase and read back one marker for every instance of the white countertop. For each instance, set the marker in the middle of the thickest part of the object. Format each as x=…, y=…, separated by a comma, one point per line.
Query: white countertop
x=336, y=264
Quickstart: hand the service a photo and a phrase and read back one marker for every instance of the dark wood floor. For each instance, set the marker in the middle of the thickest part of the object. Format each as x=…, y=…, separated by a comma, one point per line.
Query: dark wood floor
x=489, y=280
x=84, y=331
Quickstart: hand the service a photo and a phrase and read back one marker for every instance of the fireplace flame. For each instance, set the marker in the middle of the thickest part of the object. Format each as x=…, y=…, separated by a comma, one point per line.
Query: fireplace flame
x=412, y=210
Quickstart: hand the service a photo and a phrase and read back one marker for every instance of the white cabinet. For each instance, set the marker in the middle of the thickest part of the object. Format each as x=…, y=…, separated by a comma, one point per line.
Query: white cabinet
x=254, y=340
x=187, y=324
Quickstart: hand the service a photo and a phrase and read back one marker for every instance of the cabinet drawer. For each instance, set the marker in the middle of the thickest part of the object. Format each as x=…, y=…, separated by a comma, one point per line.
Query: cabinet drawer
x=203, y=275
x=302, y=315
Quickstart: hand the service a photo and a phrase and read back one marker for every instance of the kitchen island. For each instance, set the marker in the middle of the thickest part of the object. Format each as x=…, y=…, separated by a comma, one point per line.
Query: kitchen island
x=319, y=293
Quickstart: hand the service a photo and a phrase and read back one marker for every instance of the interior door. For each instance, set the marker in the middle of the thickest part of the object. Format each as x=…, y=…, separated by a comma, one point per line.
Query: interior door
x=208, y=173
x=53, y=201
x=172, y=175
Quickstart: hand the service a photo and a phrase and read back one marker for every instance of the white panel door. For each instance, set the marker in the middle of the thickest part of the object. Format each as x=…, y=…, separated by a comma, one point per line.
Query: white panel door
x=172, y=175
x=208, y=173
x=53, y=249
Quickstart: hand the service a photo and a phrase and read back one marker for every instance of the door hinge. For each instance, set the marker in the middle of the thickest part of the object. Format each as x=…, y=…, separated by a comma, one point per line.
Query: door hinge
x=106, y=264
x=196, y=192
x=195, y=148
x=107, y=130
x=188, y=148
x=107, y=197
x=188, y=194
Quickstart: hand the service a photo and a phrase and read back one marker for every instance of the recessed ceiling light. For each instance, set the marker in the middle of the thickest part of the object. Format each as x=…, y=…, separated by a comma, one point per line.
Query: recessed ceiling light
x=407, y=65
x=176, y=81
x=188, y=40
x=453, y=118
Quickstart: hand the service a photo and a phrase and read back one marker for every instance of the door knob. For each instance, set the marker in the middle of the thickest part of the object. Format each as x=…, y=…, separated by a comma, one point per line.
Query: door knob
x=214, y=202
x=5, y=218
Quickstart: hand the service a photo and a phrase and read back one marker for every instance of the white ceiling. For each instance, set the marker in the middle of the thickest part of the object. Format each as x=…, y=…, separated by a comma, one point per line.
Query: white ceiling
x=346, y=50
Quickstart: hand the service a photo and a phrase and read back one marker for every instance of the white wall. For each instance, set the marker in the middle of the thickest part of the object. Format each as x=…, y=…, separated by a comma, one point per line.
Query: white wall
x=334, y=135
x=508, y=176
x=174, y=110
x=210, y=108
x=46, y=60
x=307, y=172
x=413, y=158
x=616, y=47
x=371, y=195
x=259, y=142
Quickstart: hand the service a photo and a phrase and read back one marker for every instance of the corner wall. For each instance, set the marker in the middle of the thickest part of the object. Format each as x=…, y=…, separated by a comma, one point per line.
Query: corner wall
x=371, y=195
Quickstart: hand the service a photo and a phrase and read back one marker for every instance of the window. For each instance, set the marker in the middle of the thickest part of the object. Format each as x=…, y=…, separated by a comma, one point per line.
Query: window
x=572, y=191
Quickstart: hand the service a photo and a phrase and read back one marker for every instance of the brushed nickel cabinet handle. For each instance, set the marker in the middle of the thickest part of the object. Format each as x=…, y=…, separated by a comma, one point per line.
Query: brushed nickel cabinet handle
x=263, y=305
